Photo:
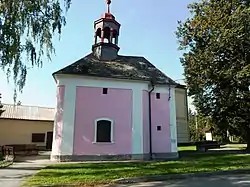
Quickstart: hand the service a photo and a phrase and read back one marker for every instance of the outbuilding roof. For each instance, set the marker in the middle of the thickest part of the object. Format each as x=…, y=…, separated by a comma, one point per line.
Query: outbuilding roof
x=27, y=113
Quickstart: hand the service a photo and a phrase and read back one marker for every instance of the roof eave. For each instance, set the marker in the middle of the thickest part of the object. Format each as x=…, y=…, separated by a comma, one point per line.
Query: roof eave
x=54, y=76
x=181, y=86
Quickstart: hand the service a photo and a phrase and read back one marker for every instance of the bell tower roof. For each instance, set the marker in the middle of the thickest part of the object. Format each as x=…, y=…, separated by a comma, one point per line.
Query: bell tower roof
x=107, y=29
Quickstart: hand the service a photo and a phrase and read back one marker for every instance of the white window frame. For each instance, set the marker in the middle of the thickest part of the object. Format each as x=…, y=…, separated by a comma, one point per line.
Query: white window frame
x=111, y=132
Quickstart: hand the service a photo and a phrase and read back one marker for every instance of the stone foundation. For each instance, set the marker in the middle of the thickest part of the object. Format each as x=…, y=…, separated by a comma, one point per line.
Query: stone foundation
x=79, y=158
x=165, y=156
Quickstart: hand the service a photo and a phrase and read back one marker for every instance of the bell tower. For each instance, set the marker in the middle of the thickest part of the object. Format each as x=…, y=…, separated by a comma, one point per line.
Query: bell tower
x=106, y=36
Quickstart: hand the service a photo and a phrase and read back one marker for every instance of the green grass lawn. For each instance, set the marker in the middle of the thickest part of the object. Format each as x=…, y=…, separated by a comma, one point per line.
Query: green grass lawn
x=236, y=146
x=193, y=148
x=89, y=174
x=187, y=148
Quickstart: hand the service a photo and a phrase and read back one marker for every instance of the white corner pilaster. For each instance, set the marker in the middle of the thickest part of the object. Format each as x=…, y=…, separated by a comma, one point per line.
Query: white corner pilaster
x=68, y=120
x=55, y=146
x=56, y=143
x=137, y=122
x=173, y=130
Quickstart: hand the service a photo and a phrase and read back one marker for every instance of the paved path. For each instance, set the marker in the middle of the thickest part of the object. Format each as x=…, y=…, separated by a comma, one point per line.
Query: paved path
x=14, y=175
x=219, y=181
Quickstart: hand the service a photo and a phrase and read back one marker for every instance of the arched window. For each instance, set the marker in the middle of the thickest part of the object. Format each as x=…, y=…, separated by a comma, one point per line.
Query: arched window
x=115, y=37
x=98, y=35
x=106, y=34
x=98, y=32
x=104, y=130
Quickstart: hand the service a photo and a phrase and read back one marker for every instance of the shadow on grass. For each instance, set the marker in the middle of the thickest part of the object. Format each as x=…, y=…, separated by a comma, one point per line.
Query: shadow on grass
x=137, y=169
x=223, y=159
x=195, y=154
x=24, y=168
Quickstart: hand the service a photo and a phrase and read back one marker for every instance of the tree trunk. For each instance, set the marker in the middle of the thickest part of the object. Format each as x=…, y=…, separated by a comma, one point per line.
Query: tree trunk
x=247, y=139
x=248, y=145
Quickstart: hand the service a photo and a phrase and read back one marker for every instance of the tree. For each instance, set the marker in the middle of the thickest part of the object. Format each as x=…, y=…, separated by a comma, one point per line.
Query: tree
x=1, y=105
x=216, y=61
x=195, y=133
x=26, y=30
x=197, y=124
x=192, y=126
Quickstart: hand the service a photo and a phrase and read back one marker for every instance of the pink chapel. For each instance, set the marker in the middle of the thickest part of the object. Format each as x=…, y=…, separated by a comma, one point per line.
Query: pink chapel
x=113, y=107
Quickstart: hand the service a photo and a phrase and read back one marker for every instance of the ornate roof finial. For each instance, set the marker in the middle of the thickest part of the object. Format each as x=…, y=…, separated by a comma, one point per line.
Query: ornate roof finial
x=108, y=3
x=108, y=15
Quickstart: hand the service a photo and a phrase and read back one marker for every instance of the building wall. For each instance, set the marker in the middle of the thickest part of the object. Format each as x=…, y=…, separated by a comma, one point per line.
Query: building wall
x=20, y=131
x=181, y=115
x=86, y=92
x=161, y=140
x=161, y=116
x=92, y=104
x=69, y=109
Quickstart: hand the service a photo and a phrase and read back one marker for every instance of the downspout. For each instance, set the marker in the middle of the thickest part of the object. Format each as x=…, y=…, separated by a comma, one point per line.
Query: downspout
x=150, y=121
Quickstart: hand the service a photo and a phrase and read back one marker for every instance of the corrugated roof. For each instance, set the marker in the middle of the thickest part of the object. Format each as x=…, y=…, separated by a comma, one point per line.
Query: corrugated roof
x=28, y=112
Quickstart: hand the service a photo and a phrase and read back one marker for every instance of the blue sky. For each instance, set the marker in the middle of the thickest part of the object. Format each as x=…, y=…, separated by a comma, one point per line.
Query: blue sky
x=147, y=29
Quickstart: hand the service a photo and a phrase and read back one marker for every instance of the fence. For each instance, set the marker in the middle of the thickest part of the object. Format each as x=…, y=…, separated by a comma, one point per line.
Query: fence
x=8, y=153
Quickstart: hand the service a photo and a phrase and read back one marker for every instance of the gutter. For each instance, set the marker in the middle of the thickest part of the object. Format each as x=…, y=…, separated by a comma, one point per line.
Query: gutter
x=150, y=121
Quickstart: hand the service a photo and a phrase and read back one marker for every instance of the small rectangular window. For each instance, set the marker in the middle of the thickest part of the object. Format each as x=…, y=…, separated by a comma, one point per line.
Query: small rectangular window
x=105, y=90
x=158, y=95
x=158, y=128
x=38, y=137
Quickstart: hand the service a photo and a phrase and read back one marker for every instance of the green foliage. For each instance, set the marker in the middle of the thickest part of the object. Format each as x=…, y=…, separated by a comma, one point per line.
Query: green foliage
x=1, y=108
x=216, y=61
x=26, y=30
x=194, y=134
x=197, y=124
